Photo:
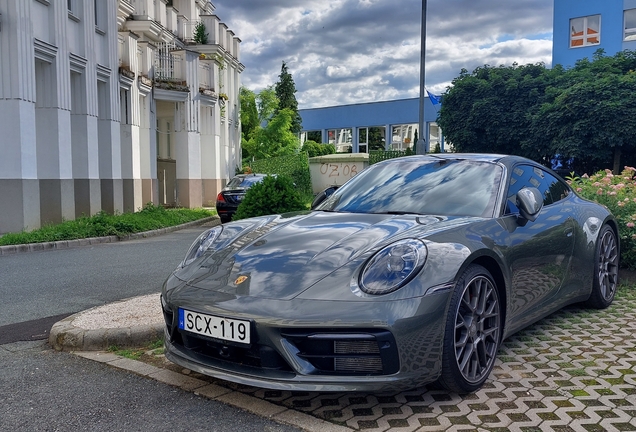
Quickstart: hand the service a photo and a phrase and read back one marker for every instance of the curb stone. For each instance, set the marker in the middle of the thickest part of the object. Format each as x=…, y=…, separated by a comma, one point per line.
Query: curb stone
x=64, y=336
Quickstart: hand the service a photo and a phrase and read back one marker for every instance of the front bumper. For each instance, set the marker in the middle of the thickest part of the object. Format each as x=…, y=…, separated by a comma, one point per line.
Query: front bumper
x=311, y=345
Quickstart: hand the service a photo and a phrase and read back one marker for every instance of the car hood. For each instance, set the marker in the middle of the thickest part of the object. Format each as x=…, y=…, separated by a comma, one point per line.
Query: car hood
x=279, y=257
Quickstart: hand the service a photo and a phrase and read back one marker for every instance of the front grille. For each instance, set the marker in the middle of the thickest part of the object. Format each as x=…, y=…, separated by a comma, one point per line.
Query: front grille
x=358, y=364
x=361, y=353
x=254, y=355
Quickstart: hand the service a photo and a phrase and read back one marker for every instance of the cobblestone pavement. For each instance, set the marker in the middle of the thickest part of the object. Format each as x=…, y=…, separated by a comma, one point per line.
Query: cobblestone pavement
x=572, y=371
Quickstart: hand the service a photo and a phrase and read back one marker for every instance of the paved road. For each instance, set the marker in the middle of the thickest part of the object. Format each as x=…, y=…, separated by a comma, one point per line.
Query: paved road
x=41, y=284
x=45, y=390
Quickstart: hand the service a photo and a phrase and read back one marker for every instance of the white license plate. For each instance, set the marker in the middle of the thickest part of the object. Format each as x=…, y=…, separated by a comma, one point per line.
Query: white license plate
x=238, y=198
x=216, y=327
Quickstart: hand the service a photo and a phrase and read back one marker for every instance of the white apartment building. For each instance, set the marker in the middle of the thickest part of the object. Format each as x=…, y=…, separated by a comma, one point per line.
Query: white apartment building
x=111, y=104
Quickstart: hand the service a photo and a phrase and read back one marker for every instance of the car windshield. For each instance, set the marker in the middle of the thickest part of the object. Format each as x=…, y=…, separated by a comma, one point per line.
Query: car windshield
x=418, y=185
x=243, y=182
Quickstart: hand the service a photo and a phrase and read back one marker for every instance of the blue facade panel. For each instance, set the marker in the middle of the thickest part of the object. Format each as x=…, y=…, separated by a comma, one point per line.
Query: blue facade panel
x=403, y=111
x=611, y=28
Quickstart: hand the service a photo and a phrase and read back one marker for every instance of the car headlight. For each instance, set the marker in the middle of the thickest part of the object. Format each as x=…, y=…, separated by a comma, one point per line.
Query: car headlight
x=392, y=267
x=201, y=244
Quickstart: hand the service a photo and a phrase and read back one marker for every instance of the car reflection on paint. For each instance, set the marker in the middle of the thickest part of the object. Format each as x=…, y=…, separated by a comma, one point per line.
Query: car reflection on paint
x=412, y=272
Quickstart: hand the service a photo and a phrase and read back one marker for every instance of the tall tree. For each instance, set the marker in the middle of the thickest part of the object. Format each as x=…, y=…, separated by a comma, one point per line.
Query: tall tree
x=286, y=94
x=488, y=110
x=267, y=104
x=275, y=139
x=249, y=113
x=590, y=114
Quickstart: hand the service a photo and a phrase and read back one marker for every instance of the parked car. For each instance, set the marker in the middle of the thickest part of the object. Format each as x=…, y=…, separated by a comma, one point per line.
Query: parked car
x=228, y=200
x=413, y=271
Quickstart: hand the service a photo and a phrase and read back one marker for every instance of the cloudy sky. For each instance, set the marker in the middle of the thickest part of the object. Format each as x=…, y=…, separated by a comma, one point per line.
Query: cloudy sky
x=349, y=51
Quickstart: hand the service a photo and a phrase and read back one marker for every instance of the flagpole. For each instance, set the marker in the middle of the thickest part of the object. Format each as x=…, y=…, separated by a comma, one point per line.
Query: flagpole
x=422, y=141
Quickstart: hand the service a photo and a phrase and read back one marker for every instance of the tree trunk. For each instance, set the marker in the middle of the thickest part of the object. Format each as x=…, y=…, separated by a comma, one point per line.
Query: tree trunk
x=617, y=160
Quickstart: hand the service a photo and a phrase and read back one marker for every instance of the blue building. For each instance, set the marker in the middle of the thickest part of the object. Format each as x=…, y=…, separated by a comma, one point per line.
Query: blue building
x=391, y=125
x=581, y=27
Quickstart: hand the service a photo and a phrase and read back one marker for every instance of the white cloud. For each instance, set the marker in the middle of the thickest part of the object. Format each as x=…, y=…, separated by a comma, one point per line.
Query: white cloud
x=349, y=51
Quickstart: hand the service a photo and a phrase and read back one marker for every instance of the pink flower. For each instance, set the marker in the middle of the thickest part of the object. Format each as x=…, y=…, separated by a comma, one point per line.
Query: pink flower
x=579, y=189
x=621, y=204
x=628, y=168
x=585, y=176
x=630, y=224
x=599, y=192
x=612, y=193
x=596, y=184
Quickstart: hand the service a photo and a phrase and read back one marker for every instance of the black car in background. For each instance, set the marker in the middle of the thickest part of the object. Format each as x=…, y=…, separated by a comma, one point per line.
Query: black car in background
x=228, y=200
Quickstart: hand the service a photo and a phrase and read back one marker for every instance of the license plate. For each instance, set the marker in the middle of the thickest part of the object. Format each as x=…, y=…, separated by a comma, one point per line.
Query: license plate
x=214, y=326
x=238, y=198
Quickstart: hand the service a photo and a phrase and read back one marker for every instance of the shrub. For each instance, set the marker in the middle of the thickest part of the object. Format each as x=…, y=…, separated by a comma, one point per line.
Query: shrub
x=618, y=194
x=314, y=149
x=273, y=195
x=295, y=166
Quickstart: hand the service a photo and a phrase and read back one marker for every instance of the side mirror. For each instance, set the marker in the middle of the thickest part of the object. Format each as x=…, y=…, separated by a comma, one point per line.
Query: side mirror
x=530, y=203
x=323, y=196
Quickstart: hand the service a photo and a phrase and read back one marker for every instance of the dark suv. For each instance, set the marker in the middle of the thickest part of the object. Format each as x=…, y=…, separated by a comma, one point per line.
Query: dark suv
x=228, y=200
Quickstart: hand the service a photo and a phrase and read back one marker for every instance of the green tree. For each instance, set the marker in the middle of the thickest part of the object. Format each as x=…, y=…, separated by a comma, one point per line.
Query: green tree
x=589, y=115
x=286, y=94
x=376, y=138
x=489, y=109
x=249, y=113
x=275, y=139
x=267, y=104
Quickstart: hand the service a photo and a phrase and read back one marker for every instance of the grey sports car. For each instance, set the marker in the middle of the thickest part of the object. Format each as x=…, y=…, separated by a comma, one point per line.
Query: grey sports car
x=412, y=272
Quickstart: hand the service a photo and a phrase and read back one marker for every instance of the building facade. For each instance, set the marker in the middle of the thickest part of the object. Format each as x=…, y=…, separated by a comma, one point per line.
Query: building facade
x=111, y=104
x=580, y=27
x=387, y=125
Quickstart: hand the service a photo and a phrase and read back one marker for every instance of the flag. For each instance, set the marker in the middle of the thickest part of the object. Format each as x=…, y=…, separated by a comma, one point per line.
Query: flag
x=435, y=99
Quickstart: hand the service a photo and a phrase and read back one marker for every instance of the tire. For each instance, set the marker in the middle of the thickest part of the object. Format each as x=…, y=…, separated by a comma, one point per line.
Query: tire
x=473, y=332
x=605, y=281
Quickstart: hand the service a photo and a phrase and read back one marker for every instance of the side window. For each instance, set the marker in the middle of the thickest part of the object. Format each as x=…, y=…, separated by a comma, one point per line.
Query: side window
x=522, y=176
x=556, y=189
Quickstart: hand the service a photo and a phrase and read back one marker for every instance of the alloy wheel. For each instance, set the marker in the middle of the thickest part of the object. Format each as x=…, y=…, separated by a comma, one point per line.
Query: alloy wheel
x=608, y=265
x=477, y=328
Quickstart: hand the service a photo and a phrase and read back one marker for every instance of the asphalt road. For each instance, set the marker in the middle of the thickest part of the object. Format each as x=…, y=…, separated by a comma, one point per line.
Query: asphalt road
x=45, y=390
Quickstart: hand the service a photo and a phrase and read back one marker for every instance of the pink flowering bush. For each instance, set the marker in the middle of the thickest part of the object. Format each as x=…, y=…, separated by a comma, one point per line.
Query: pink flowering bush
x=618, y=194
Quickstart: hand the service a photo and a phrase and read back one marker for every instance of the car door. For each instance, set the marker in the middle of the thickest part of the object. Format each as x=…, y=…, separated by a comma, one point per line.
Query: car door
x=538, y=253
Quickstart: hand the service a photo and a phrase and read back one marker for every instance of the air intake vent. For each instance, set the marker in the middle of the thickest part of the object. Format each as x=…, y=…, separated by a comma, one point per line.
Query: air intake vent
x=356, y=347
x=358, y=364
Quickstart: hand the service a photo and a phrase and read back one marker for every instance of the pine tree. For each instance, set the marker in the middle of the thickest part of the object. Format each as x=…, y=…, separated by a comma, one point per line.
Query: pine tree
x=286, y=94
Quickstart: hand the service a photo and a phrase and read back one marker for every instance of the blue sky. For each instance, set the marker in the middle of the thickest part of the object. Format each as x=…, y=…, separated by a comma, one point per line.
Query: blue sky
x=350, y=51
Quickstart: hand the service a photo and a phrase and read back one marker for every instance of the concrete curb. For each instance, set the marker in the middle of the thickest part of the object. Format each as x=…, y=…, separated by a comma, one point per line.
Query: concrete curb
x=66, y=244
x=66, y=335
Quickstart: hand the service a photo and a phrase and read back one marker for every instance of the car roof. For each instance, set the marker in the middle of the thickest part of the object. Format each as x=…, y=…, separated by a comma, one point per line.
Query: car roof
x=478, y=157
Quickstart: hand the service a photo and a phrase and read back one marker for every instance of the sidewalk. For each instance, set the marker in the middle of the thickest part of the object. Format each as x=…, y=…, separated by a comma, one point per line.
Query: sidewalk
x=572, y=371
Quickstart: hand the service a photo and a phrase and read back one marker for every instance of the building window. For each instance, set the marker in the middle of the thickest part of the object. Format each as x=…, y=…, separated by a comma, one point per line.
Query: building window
x=630, y=25
x=100, y=16
x=585, y=31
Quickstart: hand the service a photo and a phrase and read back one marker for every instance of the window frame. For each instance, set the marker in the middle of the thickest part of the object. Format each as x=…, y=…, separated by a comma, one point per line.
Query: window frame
x=632, y=30
x=585, y=36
